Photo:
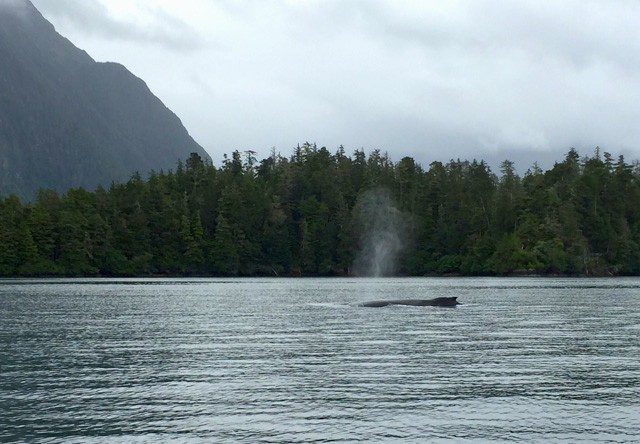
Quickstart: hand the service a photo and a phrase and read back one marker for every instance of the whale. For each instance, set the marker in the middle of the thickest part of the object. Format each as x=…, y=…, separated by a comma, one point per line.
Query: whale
x=450, y=301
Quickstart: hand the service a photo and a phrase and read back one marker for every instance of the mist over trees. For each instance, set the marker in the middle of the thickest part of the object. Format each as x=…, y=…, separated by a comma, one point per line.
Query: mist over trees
x=302, y=216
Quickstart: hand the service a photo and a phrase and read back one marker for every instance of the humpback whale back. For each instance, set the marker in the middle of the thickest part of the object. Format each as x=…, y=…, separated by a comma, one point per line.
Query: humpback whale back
x=450, y=301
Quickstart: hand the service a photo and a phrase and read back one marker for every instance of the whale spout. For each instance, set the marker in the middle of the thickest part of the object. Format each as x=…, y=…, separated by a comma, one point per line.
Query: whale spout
x=450, y=301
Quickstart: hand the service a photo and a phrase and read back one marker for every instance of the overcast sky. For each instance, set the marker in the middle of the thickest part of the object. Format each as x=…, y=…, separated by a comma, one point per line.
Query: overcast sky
x=487, y=79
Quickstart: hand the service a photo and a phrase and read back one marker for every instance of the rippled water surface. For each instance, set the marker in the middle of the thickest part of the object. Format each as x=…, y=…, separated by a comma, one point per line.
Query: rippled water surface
x=277, y=360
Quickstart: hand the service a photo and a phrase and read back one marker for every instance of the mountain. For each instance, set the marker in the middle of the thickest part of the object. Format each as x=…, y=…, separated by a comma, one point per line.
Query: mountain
x=68, y=121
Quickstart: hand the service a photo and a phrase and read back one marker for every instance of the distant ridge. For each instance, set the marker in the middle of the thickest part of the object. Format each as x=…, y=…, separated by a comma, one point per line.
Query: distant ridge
x=68, y=121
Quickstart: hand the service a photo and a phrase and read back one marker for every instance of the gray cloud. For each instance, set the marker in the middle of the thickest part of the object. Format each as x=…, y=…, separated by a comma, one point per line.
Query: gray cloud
x=91, y=17
x=490, y=79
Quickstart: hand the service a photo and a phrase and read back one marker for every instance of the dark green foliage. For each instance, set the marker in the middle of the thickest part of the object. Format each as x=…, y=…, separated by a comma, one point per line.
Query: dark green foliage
x=302, y=216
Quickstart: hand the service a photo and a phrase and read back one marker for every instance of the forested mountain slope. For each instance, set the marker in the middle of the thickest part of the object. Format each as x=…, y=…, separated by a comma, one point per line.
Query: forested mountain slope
x=67, y=121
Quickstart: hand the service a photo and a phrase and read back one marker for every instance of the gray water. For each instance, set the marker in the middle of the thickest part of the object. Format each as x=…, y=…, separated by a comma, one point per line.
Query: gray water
x=296, y=360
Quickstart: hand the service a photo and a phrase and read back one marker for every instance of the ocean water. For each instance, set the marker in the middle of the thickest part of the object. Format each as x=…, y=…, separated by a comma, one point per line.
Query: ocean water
x=297, y=360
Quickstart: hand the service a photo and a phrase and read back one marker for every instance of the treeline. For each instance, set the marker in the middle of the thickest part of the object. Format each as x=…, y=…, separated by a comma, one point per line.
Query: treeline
x=297, y=216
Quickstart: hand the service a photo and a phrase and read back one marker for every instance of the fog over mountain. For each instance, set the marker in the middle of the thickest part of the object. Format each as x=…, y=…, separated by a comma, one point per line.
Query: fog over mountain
x=68, y=121
x=493, y=79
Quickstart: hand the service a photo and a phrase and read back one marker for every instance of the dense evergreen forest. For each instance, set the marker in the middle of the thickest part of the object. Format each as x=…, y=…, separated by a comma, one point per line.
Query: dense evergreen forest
x=318, y=213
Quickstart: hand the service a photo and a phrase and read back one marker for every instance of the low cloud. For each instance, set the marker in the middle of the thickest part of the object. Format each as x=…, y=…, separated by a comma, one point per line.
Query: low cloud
x=93, y=18
x=490, y=79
